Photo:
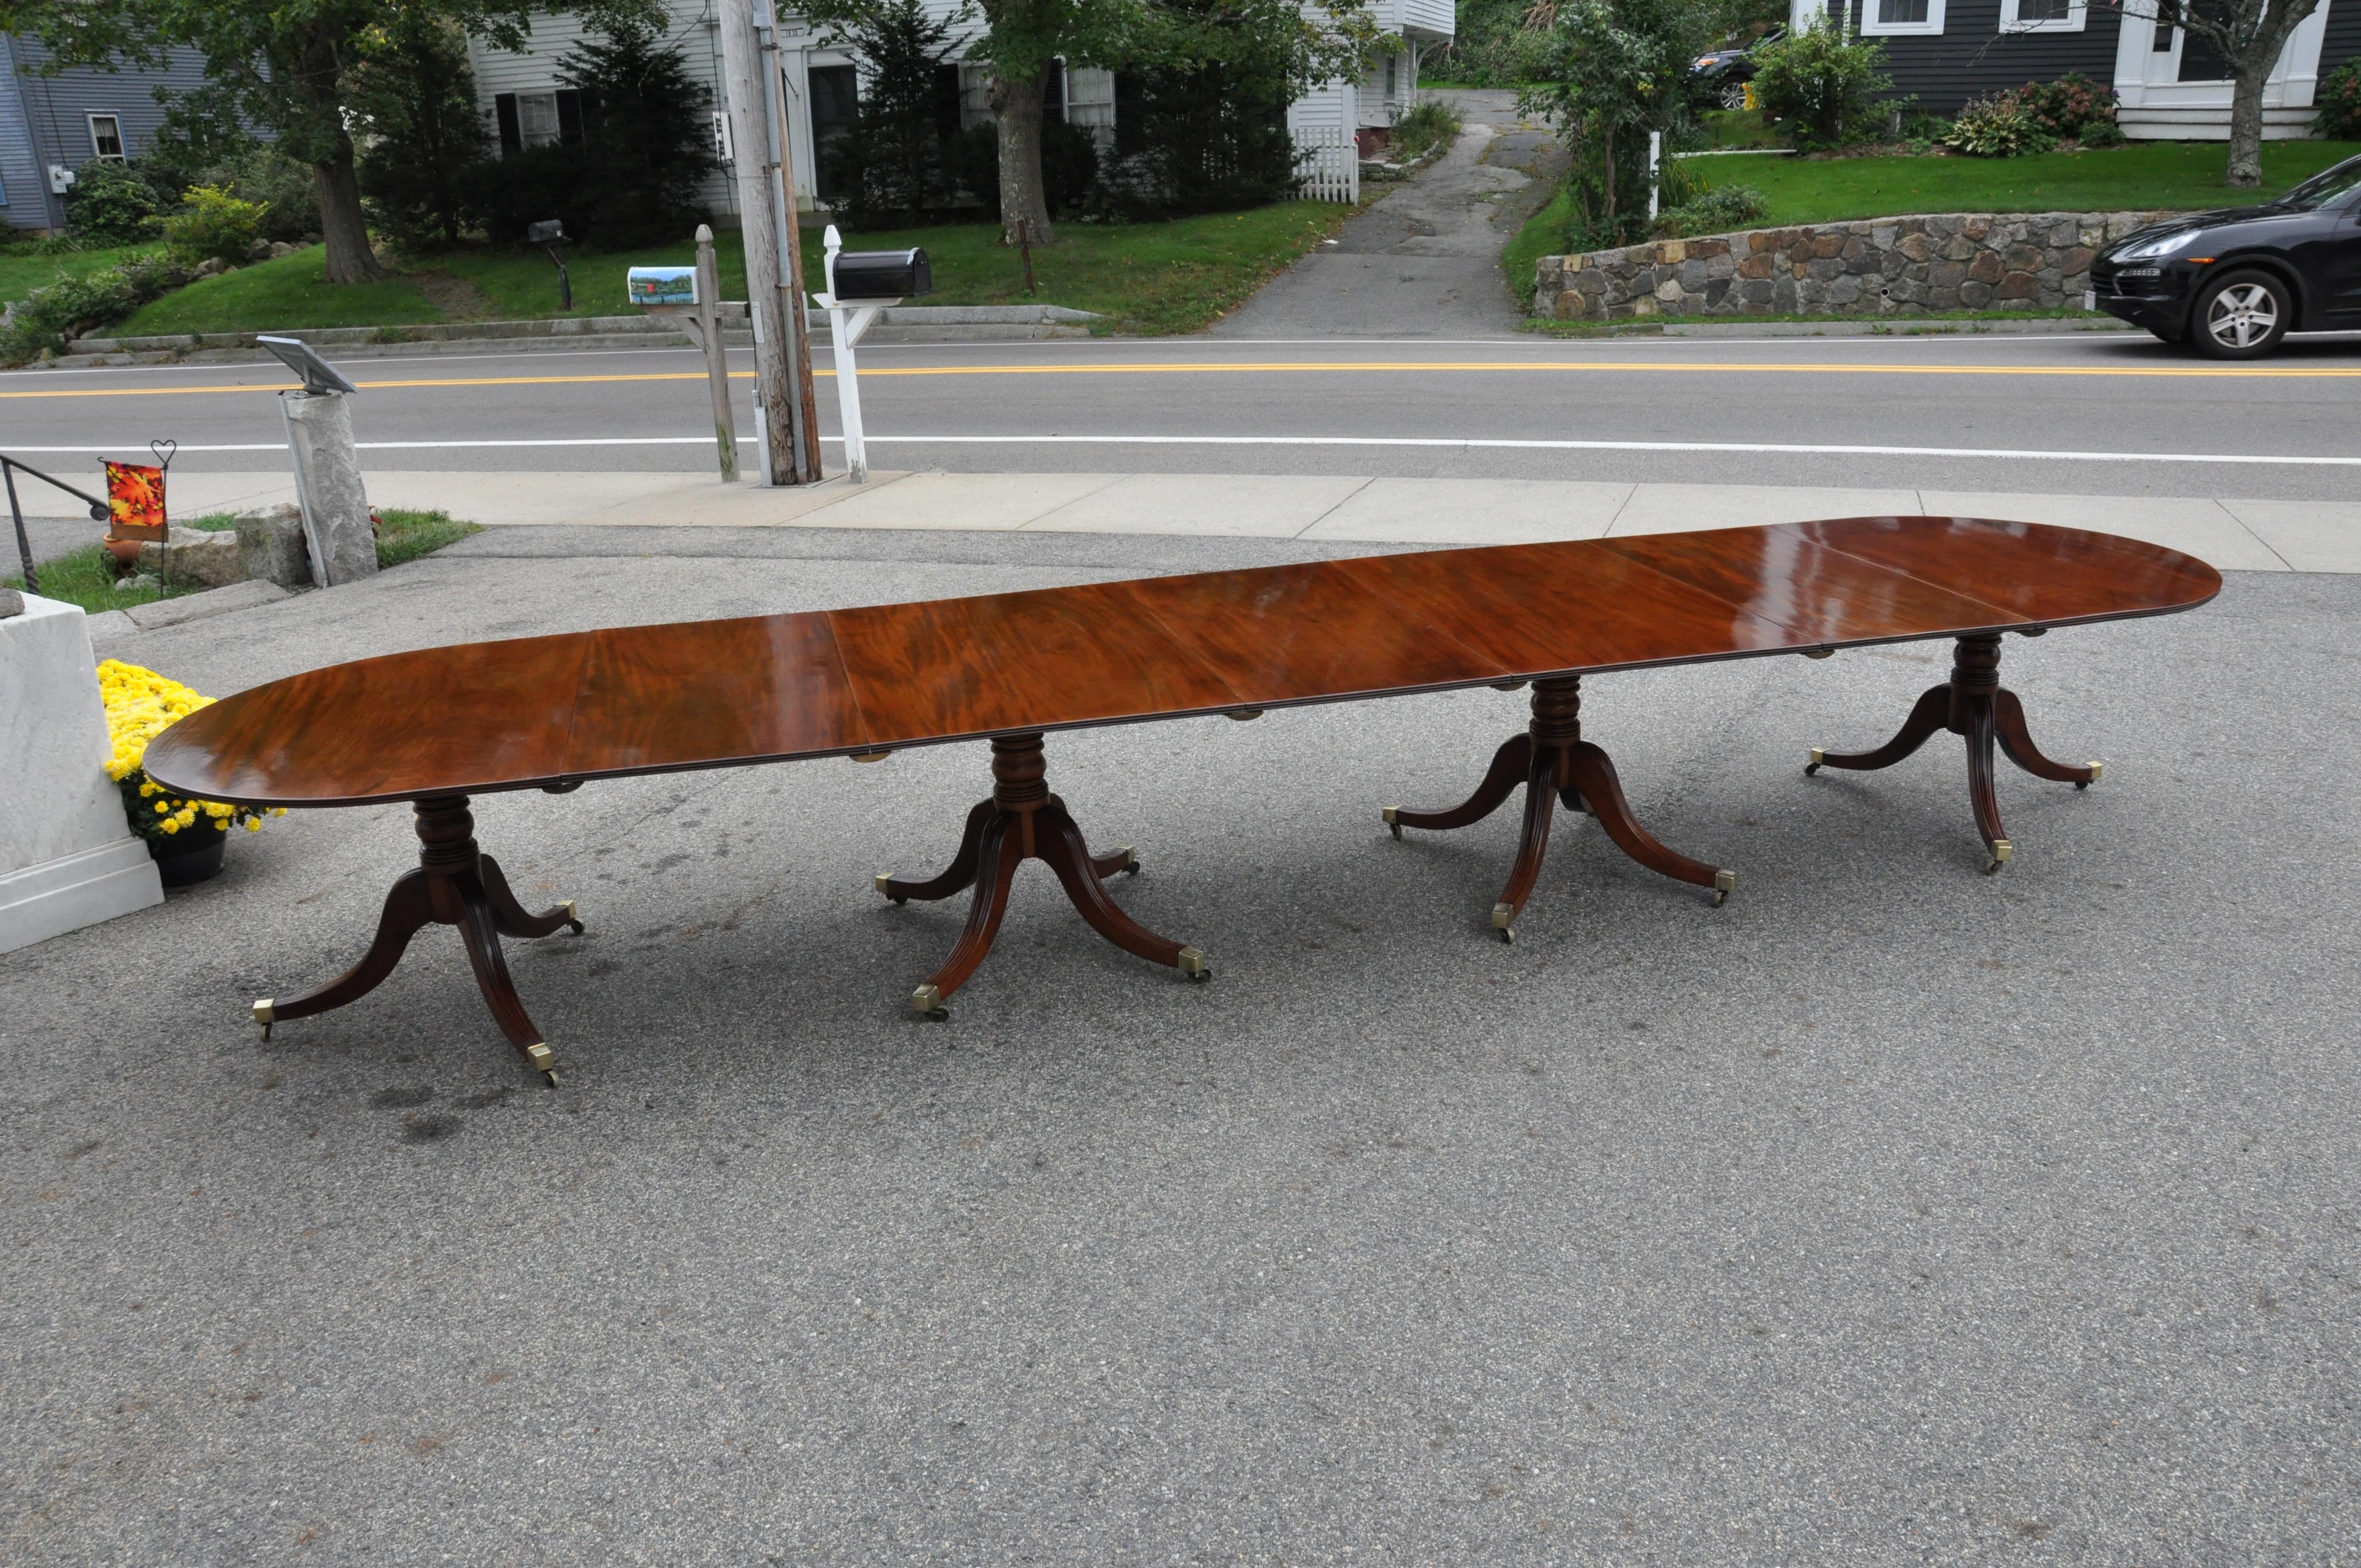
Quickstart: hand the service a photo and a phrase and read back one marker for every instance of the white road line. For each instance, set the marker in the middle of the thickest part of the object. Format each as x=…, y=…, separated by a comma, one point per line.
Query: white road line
x=1441, y=443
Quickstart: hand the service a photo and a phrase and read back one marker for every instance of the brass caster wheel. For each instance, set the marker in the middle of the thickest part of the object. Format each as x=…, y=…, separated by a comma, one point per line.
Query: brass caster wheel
x=572, y=919
x=1130, y=866
x=928, y=1004
x=1192, y=964
x=2096, y=769
x=1819, y=755
x=1393, y=820
x=2000, y=853
x=262, y=1015
x=543, y=1062
x=1725, y=882
x=885, y=886
x=1504, y=918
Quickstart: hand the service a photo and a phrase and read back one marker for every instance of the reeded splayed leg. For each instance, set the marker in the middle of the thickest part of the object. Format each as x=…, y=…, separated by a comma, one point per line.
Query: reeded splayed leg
x=455, y=884
x=1024, y=821
x=1557, y=767
x=1986, y=714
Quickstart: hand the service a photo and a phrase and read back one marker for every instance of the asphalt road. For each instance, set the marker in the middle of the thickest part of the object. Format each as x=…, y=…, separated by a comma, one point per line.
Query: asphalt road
x=1890, y=1215
x=2082, y=413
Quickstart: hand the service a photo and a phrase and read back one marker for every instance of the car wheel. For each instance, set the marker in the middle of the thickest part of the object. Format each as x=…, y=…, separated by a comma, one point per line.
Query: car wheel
x=1733, y=95
x=2241, y=315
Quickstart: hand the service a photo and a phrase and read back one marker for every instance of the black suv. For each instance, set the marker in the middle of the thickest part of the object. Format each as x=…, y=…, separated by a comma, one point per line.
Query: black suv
x=1720, y=77
x=2232, y=283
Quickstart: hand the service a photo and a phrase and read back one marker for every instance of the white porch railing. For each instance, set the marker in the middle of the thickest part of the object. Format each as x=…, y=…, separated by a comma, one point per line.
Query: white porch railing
x=1328, y=164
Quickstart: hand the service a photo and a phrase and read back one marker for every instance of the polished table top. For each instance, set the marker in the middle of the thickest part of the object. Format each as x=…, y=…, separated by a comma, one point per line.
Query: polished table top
x=539, y=711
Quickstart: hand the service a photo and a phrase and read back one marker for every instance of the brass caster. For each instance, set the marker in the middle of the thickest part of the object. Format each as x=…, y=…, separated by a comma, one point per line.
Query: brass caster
x=2096, y=769
x=1393, y=820
x=1504, y=918
x=927, y=1001
x=885, y=886
x=2000, y=853
x=1819, y=756
x=1193, y=963
x=262, y=1015
x=572, y=919
x=1130, y=866
x=1725, y=882
x=538, y=1053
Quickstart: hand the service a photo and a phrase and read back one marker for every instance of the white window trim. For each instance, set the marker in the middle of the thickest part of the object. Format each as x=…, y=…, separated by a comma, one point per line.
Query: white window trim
x=1872, y=28
x=2077, y=17
x=93, y=118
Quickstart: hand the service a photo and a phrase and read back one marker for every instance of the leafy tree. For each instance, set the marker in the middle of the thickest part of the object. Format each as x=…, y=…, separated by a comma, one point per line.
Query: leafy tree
x=1607, y=72
x=2249, y=36
x=1023, y=38
x=282, y=68
x=1823, y=87
x=415, y=98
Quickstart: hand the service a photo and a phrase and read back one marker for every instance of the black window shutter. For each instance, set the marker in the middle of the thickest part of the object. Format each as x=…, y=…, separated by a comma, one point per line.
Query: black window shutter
x=947, y=101
x=1130, y=133
x=570, y=116
x=511, y=137
x=1053, y=91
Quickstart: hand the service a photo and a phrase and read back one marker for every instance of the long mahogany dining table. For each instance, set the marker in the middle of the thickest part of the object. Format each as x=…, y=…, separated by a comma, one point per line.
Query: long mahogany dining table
x=441, y=725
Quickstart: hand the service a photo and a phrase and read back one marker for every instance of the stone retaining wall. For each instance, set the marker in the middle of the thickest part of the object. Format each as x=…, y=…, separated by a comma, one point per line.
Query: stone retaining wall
x=1888, y=266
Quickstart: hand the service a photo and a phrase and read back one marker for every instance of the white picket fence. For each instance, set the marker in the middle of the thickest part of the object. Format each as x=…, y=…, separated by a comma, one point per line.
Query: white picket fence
x=1328, y=164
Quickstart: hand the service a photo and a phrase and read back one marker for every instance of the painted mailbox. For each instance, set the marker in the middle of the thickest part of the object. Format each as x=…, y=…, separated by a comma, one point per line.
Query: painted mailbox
x=662, y=286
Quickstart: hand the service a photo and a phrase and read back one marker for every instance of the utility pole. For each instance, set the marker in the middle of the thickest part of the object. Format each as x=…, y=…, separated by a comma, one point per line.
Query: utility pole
x=776, y=348
x=791, y=249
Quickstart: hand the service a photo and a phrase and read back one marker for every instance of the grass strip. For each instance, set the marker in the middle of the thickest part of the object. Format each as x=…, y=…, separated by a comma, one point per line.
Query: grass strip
x=86, y=577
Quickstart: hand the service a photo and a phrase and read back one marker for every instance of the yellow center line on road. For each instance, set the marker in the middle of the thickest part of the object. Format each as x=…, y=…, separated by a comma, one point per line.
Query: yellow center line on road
x=1363, y=366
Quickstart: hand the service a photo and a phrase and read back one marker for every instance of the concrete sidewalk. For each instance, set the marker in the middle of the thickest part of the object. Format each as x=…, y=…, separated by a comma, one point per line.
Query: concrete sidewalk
x=2231, y=534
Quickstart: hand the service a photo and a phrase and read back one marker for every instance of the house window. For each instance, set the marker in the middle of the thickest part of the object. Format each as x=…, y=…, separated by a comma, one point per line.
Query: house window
x=1900, y=17
x=106, y=137
x=539, y=119
x=2043, y=15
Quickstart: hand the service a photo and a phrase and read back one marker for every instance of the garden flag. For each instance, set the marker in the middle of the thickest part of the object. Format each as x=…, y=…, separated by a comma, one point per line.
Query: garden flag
x=134, y=502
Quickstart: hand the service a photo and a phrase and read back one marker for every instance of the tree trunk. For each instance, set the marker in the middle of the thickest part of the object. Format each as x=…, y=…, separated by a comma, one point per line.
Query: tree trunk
x=2246, y=120
x=350, y=260
x=1016, y=116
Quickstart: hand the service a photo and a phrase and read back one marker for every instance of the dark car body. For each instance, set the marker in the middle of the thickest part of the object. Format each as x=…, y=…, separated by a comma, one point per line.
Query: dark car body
x=1722, y=76
x=2312, y=248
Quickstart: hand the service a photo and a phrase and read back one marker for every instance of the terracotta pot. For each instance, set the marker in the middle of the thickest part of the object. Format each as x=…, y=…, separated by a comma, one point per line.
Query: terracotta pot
x=124, y=550
x=191, y=855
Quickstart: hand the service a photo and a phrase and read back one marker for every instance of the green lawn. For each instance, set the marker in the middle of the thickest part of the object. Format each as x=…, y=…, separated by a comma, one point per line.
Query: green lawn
x=2160, y=175
x=1175, y=275
x=86, y=577
x=21, y=274
x=1543, y=235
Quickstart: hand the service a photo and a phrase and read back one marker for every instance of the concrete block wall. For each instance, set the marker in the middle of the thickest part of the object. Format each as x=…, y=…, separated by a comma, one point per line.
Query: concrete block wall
x=1877, y=267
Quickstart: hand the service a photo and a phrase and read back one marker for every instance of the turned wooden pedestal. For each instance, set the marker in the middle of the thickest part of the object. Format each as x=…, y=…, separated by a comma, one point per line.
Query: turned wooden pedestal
x=455, y=884
x=1972, y=703
x=1024, y=821
x=1557, y=766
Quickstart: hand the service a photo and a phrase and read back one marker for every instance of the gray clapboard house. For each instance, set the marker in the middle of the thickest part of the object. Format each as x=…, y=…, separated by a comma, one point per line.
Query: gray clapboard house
x=2172, y=84
x=49, y=126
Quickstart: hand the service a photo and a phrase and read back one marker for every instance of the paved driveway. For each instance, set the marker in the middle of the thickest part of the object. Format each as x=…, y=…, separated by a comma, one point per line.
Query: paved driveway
x=1424, y=260
x=1891, y=1213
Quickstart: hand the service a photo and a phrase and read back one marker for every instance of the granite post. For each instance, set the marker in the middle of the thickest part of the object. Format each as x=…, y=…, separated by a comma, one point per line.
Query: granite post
x=328, y=485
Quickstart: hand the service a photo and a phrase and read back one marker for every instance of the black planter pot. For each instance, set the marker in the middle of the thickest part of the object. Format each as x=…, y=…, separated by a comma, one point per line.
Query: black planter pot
x=189, y=856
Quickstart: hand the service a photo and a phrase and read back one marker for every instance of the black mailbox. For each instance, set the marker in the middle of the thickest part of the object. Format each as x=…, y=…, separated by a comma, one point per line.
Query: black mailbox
x=882, y=274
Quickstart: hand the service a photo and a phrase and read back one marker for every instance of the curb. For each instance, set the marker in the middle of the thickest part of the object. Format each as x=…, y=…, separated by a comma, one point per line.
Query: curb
x=1896, y=326
x=109, y=624
x=901, y=324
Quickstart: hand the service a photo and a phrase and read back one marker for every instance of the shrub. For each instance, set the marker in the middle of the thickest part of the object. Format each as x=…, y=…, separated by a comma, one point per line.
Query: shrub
x=1715, y=211
x=111, y=203
x=2002, y=125
x=1425, y=127
x=2339, y=97
x=281, y=186
x=1070, y=169
x=2103, y=133
x=895, y=167
x=45, y=318
x=647, y=134
x=214, y=225
x=2070, y=106
x=1825, y=89
x=417, y=97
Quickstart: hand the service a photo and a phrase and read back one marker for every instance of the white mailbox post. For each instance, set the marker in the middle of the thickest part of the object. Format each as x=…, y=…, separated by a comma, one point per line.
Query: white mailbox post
x=877, y=281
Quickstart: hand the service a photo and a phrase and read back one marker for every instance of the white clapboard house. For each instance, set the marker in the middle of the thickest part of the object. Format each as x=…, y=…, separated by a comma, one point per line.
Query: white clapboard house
x=521, y=98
